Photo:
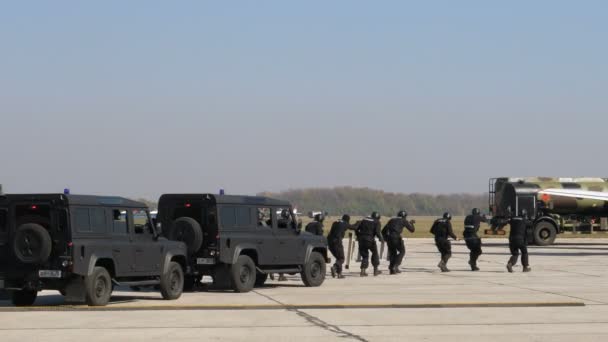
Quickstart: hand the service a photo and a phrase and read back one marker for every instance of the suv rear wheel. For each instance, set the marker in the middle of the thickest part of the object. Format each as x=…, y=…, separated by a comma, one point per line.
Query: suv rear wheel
x=172, y=282
x=188, y=231
x=98, y=287
x=243, y=274
x=24, y=297
x=32, y=244
x=313, y=274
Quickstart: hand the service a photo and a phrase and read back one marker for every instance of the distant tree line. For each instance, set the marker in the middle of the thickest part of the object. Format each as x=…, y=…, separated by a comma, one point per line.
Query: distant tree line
x=362, y=201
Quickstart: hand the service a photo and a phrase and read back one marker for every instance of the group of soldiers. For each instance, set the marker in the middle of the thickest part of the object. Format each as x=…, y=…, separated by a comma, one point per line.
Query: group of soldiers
x=369, y=229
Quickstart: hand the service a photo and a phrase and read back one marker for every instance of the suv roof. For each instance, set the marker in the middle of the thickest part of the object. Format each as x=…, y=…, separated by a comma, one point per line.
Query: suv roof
x=228, y=199
x=88, y=200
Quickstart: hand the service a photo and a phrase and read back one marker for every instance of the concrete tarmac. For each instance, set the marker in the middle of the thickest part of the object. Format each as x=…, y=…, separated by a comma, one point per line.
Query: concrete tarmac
x=564, y=298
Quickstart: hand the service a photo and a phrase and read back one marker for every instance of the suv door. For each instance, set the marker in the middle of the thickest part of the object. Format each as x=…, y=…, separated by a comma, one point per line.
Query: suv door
x=147, y=250
x=122, y=247
x=291, y=245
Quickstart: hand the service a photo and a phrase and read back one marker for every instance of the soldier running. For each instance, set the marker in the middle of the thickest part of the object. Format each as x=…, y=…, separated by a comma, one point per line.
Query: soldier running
x=442, y=229
x=392, y=234
x=334, y=241
x=316, y=226
x=367, y=231
x=518, y=241
x=471, y=227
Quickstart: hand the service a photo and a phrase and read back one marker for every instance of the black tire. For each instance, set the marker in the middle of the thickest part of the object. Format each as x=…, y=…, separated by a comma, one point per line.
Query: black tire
x=313, y=273
x=172, y=282
x=243, y=274
x=544, y=233
x=188, y=231
x=260, y=279
x=32, y=244
x=24, y=297
x=98, y=287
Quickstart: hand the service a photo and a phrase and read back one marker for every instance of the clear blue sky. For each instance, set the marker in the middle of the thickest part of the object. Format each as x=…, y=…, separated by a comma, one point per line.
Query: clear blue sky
x=139, y=97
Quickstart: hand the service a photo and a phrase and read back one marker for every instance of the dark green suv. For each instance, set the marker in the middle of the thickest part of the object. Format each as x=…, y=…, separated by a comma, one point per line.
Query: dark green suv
x=83, y=246
x=240, y=240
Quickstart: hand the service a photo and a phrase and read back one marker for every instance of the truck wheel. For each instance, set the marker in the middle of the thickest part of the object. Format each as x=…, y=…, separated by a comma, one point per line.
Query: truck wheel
x=313, y=274
x=32, y=244
x=24, y=297
x=172, y=282
x=260, y=279
x=188, y=231
x=98, y=287
x=243, y=274
x=544, y=233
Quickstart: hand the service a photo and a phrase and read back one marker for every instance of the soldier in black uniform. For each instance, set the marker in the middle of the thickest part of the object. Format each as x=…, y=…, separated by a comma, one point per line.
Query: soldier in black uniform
x=471, y=227
x=517, y=241
x=442, y=229
x=367, y=231
x=392, y=234
x=316, y=226
x=334, y=241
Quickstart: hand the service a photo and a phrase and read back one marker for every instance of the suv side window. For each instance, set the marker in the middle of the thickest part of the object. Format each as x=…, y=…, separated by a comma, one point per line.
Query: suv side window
x=228, y=216
x=98, y=220
x=3, y=220
x=264, y=217
x=119, y=222
x=141, y=222
x=284, y=223
x=82, y=220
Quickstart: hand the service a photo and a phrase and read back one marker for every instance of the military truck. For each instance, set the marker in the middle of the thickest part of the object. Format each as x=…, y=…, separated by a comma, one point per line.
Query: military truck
x=240, y=240
x=83, y=246
x=553, y=204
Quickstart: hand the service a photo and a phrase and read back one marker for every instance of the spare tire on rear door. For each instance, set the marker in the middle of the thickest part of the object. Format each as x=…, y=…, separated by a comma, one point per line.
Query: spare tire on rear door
x=188, y=231
x=32, y=244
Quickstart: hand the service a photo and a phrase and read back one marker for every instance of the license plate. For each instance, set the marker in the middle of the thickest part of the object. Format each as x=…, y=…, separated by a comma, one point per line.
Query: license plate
x=49, y=274
x=205, y=261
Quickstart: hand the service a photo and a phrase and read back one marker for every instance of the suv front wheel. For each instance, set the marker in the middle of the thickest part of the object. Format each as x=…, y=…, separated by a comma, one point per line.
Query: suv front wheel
x=313, y=274
x=243, y=274
x=98, y=287
x=172, y=282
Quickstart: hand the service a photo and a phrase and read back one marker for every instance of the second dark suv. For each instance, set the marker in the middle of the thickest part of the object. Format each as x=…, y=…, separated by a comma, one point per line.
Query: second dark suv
x=83, y=246
x=240, y=240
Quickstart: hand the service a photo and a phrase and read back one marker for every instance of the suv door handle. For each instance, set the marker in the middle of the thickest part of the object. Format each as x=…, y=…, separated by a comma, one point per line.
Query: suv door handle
x=260, y=242
x=115, y=250
x=139, y=250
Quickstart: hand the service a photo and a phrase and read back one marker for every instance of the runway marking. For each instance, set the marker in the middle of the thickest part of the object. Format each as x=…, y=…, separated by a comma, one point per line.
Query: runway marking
x=204, y=307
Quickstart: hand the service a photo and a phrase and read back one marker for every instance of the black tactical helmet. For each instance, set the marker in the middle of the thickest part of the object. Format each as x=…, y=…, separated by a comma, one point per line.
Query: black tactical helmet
x=285, y=214
x=476, y=211
x=375, y=215
x=319, y=217
x=447, y=216
x=402, y=214
x=346, y=218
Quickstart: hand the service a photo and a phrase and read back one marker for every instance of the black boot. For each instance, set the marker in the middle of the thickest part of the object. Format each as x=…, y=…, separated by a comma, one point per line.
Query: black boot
x=363, y=273
x=333, y=271
x=510, y=267
x=377, y=272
